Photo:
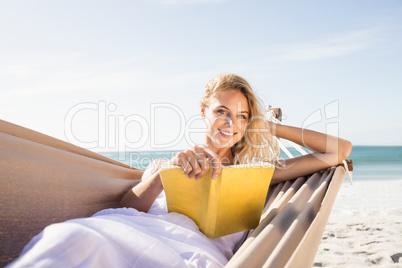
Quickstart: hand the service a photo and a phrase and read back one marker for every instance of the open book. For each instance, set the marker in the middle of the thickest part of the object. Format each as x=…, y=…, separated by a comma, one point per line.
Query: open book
x=231, y=203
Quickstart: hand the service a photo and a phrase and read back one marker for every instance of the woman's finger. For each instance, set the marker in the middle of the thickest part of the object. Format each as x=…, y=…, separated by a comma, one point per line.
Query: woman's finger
x=192, y=159
x=181, y=160
x=202, y=160
x=215, y=162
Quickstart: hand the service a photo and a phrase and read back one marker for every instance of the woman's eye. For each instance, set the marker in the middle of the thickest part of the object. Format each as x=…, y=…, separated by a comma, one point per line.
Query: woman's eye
x=220, y=111
x=242, y=117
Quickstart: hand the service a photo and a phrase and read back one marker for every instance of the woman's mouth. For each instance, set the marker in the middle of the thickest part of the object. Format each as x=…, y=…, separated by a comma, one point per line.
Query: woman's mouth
x=227, y=135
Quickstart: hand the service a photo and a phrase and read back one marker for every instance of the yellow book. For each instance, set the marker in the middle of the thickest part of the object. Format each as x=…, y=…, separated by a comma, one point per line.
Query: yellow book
x=231, y=203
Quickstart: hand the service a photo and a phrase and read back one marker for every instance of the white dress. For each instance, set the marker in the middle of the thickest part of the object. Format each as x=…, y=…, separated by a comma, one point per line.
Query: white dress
x=125, y=237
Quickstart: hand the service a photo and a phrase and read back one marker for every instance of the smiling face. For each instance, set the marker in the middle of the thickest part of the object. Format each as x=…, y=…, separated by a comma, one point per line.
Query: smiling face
x=226, y=116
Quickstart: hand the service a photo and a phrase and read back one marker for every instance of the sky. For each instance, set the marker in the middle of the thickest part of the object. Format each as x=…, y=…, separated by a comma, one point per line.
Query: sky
x=128, y=75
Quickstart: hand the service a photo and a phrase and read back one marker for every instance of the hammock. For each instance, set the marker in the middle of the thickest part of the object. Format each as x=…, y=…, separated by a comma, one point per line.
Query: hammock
x=44, y=180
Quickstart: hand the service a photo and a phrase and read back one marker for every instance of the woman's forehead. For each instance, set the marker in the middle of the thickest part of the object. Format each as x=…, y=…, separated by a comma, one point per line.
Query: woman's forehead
x=232, y=99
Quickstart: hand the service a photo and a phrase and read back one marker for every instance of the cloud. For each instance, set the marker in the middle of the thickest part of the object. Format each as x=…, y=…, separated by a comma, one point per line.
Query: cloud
x=329, y=47
x=54, y=74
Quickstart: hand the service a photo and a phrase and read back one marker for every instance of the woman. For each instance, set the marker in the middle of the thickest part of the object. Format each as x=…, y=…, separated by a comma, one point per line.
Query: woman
x=142, y=233
x=230, y=107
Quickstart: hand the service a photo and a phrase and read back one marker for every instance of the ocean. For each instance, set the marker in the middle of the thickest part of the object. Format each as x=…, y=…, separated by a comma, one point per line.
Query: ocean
x=369, y=162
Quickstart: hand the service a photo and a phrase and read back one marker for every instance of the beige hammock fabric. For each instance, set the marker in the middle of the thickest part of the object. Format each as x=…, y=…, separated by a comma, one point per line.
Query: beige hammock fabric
x=44, y=180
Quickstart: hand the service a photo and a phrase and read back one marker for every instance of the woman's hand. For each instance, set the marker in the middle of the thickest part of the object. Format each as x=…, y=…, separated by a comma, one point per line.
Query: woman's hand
x=196, y=162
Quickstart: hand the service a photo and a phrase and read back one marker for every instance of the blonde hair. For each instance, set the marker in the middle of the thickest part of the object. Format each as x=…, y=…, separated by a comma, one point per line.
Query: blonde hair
x=257, y=144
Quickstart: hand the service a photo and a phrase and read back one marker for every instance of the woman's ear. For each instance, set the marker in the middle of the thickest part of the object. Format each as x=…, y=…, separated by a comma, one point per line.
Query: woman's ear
x=202, y=112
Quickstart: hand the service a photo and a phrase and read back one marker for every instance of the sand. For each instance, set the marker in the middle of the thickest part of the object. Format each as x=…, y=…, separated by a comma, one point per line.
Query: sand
x=365, y=227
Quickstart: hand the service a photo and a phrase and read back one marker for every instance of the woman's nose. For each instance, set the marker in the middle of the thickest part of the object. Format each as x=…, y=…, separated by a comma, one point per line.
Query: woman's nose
x=229, y=121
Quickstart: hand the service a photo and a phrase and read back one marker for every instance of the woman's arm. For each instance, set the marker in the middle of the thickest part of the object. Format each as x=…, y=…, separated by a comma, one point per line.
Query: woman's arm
x=143, y=195
x=327, y=151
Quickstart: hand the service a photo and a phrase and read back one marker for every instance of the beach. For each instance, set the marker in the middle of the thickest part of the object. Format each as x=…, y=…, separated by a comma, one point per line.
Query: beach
x=365, y=226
